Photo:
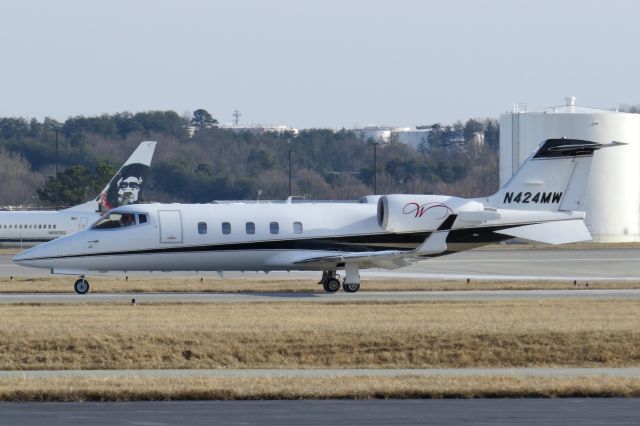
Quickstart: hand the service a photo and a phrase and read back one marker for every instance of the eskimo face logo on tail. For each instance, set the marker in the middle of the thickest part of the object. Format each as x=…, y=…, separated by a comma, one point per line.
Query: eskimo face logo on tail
x=532, y=198
x=433, y=210
x=125, y=187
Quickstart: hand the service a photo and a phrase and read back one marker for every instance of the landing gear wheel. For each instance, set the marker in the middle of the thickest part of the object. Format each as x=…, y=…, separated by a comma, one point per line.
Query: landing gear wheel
x=351, y=287
x=332, y=285
x=81, y=286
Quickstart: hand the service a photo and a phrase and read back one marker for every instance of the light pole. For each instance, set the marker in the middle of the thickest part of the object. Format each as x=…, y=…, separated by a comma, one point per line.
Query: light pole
x=57, y=176
x=289, y=172
x=375, y=168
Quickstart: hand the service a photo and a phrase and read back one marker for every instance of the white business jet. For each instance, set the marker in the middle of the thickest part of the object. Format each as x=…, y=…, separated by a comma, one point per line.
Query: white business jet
x=541, y=202
x=45, y=225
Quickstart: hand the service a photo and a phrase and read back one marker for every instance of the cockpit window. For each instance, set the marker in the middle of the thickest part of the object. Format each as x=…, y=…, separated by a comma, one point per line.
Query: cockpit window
x=115, y=220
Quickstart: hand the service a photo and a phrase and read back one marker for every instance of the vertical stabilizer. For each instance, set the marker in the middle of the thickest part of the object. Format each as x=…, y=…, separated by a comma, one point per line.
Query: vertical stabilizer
x=126, y=186
x=553, y=178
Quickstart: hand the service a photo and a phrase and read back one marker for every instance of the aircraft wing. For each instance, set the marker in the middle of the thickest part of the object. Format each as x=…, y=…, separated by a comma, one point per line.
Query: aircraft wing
x=435, y=243
x=388, y=259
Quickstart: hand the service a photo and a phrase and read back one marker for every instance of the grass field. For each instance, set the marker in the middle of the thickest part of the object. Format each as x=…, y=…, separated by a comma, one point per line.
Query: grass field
x=137, y=388
x=262, y=283
x=579, y=333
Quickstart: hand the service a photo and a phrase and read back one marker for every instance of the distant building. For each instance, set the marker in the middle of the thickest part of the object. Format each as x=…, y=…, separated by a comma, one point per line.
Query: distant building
x=260, y=128
x=385, y=134
x=413, y=137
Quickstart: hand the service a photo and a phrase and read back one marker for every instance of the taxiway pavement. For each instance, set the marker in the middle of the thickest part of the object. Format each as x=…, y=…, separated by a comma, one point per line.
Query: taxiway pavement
x=630, y=372
x=529, y=411
x=340, y=297
x=548, y=263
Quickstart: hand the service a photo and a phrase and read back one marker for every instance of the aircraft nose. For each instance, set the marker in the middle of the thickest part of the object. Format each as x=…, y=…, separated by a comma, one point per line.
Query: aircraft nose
x=38, y=256
x=26, y=256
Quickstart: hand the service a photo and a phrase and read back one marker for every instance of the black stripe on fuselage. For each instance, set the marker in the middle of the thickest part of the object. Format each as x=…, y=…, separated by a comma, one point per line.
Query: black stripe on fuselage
x=348, y=243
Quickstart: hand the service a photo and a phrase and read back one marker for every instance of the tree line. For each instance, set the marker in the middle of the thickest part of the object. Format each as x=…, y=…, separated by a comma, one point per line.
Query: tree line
x=197, y=161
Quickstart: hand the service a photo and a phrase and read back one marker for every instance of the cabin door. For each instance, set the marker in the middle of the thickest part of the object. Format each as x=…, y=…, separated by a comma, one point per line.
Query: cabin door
x=170, y=226
x=83, y=223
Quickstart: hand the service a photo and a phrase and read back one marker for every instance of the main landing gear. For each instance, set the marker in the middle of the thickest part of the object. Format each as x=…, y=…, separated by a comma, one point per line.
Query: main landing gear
x=331, y=281
x=81, y=286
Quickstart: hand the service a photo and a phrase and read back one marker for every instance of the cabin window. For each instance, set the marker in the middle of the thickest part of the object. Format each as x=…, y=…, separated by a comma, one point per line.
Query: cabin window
x=226, y=228
x=274, y=228
x=202, y=227
x=142, y=218
x=250, y=227
x=297, y=227
x=115, y=220
x=54, y=226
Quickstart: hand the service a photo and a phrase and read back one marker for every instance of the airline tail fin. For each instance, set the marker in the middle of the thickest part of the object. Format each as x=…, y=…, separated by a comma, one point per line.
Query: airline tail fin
x=126, y=186
x=553, y=178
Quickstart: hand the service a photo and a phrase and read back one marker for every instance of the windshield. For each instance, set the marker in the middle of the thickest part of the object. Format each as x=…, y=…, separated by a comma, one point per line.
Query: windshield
x=115, y=220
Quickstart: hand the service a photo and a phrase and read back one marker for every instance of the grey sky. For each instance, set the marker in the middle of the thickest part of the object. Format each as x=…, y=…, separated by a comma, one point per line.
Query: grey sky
x=316, y=63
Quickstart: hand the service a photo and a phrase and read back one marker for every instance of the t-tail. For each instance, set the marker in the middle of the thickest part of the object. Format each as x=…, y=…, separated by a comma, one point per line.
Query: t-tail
x=553, y=178
x=126, y=186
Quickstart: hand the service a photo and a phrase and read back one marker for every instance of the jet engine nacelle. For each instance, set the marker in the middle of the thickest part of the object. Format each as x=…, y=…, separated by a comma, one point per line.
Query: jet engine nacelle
x=414, y=213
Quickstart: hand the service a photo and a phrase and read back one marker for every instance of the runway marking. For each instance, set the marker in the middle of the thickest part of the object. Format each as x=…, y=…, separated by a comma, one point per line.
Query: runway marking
x=603, y=259
x=477, y=275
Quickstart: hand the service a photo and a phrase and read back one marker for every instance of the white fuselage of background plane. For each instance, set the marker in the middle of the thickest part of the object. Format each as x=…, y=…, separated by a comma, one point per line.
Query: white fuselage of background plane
x=39, y=226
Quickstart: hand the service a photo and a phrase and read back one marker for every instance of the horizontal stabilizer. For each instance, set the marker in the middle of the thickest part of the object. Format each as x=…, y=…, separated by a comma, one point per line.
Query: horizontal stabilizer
x=559, y=232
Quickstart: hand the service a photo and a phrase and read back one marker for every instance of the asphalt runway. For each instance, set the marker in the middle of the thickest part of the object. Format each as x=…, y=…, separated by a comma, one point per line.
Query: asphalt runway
x=340, y=297
x=548, y=263
x=569, y=411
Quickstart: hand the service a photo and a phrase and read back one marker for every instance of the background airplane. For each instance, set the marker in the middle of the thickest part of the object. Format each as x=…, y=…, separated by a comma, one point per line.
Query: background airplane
x=541, y=203
x=45, y=225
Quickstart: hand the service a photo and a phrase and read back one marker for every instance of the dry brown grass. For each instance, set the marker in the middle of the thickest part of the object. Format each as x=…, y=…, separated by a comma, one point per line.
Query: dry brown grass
x=145, y=388
x=254, y=283
x=578, y=333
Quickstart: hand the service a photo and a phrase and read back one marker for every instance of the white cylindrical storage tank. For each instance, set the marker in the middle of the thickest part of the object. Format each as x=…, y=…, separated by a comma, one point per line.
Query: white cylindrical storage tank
x=612, y=197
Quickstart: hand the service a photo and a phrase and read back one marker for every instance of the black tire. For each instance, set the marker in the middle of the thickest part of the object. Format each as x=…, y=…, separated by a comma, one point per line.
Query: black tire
x=351, y=288
x=331, y=286
x=81, y=286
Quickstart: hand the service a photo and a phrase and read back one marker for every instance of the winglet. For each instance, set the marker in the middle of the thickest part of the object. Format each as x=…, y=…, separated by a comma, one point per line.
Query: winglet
x=437, y=241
